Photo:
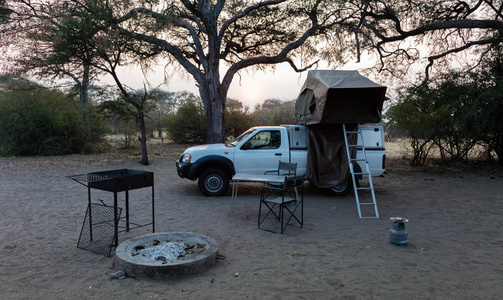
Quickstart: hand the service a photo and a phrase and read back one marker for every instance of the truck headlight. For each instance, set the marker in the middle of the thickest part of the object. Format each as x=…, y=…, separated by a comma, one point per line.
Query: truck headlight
x=185, y=158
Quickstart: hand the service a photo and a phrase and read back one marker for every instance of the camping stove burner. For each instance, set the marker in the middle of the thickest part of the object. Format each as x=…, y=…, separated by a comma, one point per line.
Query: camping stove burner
x=166, y=254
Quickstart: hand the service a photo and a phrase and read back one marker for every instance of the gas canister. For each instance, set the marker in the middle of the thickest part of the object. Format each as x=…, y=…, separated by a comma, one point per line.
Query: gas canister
x=397, y=234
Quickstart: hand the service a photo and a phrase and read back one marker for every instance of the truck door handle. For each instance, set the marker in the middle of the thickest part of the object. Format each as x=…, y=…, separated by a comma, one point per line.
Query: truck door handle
x=278, y=154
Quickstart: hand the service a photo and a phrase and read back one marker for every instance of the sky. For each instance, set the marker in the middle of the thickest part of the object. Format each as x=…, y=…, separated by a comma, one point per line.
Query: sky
x=251, y=88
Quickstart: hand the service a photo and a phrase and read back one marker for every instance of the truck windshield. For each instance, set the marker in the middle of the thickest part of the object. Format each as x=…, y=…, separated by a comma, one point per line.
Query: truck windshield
x=240, y=138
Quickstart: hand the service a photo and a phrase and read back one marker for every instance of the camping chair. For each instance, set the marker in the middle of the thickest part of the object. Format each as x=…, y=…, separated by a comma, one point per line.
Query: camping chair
x=284, y=168
x=287, y=206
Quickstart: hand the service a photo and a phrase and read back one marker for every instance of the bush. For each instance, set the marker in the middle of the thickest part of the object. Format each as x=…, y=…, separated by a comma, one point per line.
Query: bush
x=456, y=114
x=237, y=118
x=188, y=125
x=39, y=121
x=275, y=112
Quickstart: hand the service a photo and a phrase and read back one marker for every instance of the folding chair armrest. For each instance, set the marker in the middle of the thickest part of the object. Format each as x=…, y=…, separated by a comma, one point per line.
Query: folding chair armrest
x=270, y=187
x=272, y=171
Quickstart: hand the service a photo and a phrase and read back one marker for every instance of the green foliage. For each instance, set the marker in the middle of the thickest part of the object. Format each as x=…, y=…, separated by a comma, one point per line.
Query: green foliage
x=489, y=106
x=188, y=125
x=237, y=118
x=275, y=112
x=40, y=121
x=127, y=113
x=454, y=114
x=415, y=115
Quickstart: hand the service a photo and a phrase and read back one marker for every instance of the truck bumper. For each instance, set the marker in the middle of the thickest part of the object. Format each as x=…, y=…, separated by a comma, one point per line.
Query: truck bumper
x=183, y=169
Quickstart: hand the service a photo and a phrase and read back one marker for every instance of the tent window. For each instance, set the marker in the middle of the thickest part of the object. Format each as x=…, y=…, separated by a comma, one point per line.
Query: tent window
x=312, y=101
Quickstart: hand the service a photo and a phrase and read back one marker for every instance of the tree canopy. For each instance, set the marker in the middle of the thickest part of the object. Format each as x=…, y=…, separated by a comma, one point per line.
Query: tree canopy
x=215, y=40
x=201, y=36
x=403, y=32
x=4, y=12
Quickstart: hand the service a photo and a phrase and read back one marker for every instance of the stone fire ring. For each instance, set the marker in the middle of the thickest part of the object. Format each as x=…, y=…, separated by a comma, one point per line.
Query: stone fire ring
x=137, y=266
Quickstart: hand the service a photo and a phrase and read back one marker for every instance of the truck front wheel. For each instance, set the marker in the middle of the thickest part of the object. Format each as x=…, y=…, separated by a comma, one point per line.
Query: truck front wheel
x=342, y=189
x=213, y=182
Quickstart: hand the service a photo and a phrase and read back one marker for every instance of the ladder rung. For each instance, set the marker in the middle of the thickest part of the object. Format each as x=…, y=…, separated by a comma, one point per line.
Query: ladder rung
x=352, y=132
x=366, y=203
x=363, y=188
x=358, y=159
x=361, y=173
x=356, y=146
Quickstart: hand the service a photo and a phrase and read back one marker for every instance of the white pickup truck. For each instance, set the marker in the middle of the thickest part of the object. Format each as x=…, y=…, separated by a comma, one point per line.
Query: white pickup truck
x=259, y=149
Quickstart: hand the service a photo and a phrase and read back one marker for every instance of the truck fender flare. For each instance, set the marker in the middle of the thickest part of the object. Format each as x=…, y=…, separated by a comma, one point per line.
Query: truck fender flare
x=212, y=161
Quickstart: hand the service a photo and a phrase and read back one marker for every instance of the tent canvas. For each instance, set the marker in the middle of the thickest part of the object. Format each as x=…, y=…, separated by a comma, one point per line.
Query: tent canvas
x=337, y=97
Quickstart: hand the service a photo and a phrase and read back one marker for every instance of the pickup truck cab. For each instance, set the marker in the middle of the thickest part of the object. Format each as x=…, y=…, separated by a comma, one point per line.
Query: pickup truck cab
x=258, y=150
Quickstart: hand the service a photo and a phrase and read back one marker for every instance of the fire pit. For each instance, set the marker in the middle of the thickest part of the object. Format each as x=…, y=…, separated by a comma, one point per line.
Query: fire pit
x=166, y=255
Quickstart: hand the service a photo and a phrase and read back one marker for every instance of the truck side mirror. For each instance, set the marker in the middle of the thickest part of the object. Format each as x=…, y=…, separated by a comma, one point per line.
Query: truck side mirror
x=246, y=145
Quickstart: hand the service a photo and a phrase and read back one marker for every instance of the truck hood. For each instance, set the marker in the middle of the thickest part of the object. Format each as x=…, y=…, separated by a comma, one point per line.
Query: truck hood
x=205, y=147
x=196, y=152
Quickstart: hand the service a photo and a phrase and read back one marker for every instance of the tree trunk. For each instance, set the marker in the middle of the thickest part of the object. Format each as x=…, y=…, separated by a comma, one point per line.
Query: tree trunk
x=84, y=89
x=84, y=93
x=214, y=98
x=143, y=138
x=216, y=132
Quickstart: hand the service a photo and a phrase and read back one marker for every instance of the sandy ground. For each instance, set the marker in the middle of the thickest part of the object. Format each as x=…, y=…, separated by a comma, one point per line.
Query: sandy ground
x=455, y=246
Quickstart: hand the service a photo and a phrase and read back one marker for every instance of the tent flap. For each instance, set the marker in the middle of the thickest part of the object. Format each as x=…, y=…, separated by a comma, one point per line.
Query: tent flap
x=327, y=162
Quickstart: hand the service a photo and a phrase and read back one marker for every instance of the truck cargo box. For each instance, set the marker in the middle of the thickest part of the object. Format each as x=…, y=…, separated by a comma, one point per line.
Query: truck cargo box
x=298, y=136
x=373, y=137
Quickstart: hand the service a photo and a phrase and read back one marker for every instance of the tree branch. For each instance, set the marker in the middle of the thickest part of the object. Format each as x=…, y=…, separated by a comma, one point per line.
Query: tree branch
x=279, y=58
x=245, y=13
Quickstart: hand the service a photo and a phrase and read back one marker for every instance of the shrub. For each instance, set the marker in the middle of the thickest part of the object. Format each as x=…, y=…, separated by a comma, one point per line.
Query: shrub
x=237, y=118
x=40, y=121
x=188, y=125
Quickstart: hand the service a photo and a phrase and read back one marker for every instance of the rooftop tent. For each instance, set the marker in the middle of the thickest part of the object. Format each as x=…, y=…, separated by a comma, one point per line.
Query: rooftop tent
x=336, y=97
x=327, y=100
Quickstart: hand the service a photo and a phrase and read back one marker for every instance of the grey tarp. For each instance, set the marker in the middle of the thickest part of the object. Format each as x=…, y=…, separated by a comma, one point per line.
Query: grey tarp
x=327, y=100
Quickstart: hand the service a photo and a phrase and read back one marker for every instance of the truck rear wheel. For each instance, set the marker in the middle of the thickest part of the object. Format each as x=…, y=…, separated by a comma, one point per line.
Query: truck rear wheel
x=213, y=182
x=342, y=189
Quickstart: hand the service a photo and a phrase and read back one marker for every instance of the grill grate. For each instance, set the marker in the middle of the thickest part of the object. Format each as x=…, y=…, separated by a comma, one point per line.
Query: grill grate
x=98, y=236
x=90, y=177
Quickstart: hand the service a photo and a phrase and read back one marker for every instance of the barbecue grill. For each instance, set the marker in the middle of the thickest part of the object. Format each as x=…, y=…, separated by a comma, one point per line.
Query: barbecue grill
x=115, y=181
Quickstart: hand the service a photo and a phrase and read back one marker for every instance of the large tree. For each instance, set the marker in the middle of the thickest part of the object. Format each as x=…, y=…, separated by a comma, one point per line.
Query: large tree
x=213, y=40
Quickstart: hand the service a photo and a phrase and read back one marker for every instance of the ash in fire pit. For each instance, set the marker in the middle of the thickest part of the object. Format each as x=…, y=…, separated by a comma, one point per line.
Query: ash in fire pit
x=166, y=254
x=167, y=250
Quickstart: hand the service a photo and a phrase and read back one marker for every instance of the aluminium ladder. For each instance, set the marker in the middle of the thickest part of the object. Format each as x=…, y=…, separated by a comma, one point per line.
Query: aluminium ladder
x=362, y=173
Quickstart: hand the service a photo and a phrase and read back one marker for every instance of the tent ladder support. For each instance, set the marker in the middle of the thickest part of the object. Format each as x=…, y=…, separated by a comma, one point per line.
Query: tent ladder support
x=364, y=173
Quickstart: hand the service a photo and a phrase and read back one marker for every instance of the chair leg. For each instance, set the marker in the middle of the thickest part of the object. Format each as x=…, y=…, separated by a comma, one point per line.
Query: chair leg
x=293, y=216
x=262, y=219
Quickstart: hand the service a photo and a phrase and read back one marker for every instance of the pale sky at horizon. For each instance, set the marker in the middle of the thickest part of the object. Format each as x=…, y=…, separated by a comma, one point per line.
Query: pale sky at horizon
x=251, y=88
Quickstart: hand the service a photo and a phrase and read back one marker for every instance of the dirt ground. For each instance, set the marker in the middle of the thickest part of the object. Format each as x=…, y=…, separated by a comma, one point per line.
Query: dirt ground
x=455, y=232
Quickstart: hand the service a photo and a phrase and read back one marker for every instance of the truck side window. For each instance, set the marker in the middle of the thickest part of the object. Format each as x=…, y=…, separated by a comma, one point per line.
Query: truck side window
x=266, y=140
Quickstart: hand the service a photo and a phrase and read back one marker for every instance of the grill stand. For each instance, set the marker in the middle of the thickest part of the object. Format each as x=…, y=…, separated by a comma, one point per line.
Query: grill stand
x=117, y=181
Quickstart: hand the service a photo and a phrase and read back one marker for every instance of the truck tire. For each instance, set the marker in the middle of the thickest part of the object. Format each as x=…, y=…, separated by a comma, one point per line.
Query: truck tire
x=342, y=189
x=213, y=182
